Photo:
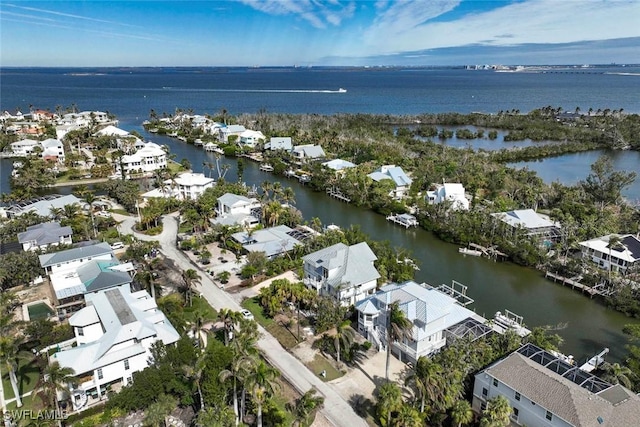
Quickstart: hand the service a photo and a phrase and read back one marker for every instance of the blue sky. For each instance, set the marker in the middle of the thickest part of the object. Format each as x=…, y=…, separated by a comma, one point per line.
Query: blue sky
x=318, y=32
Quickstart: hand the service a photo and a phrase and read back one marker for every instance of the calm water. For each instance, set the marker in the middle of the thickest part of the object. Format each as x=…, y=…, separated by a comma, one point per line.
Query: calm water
x=483, y=143
x=131, y=94
x=571, y=168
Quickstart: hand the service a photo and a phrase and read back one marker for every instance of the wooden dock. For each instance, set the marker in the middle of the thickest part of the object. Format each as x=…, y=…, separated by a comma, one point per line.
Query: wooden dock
x=335, y=193
x=490, y=252
x=574, y=282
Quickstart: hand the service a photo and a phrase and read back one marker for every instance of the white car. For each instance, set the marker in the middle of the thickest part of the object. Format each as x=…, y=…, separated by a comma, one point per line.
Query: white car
x=117, y=245
x=104, y=214
x=246, y=314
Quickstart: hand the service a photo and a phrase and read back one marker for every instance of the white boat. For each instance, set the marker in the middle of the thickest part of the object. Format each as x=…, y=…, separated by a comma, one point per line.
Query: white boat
x=341, y=90
x=405, y=220
x=265, y=167
x=198, y=142
x=467, y=251
x=210, y=146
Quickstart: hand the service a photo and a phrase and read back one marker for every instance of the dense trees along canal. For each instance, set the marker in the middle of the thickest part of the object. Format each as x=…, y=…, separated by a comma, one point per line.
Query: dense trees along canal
x=493, y=285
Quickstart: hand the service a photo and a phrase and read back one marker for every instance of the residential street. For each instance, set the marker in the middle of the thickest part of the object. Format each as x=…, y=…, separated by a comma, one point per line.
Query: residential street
x=336, y=409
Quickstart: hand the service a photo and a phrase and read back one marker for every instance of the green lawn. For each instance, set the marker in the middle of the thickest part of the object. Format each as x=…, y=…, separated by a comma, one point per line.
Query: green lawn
x=27, y=373
x=284, y=336
x=321, y=363
x=199, y=304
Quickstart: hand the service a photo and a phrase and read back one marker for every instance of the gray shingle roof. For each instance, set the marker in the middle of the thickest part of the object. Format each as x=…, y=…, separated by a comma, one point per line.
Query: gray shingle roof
x=45, y=233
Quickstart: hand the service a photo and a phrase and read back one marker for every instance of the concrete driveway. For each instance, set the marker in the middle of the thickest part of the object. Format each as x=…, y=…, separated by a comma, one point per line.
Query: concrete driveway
x=336, y=409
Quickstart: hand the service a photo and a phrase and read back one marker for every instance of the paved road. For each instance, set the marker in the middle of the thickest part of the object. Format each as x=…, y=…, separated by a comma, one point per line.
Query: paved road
x=336, y=409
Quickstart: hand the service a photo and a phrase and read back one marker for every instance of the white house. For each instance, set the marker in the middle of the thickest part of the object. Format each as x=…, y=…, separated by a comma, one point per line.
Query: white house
x=449, y=192
x=43, y=206
x=273, y=241
x=114, y=332
x=304, y=153
x=149, y=158
x=226, y=131
x=431, y=311
x=623, y=255
x=338, y=164
x=251, y=138
x=25, y=147
x=186, y=186
x=397, y=175
x=344, y=272
x=111, y=130
x=70, y=259
x=544, y=390
x=52, y=149
x=233, y=209
x=44, y=235
x=279, y=143
x=534, y=224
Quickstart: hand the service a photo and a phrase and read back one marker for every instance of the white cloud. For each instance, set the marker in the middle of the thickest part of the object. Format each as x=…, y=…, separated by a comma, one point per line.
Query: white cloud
x=535, y=21
x=318, y=13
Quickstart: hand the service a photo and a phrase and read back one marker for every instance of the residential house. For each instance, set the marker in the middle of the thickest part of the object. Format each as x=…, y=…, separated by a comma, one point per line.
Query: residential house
x=338, y=164
x=279, y=143
x=63, y=130
x=226, y=131
x=251, y=138
x=272, y=241
x=534, y=224
x=114, y=332
x=545, y=390
x=25, y=147
x=42, y=116
x=71, y=287
x=233, y=209
x=344, y=272
x=618, y=257
x=149, y=158
x=397, y=175
x=52, y=149
x=433, y=314
x=42, y=236
x=449, y=192
x=186, y=186
x=305, y=153
x=43, y=205
x=69, y=260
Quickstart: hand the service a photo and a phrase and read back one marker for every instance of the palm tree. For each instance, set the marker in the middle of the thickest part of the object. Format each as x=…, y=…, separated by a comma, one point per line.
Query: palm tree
x=461, y=412
x=344, y=337
x=617, y=374
x=10, y=355
x=229, y=318
x=195, y=373
x=497, y=413
x=54, y=378
x=389, y=401
x=190, y=279
x=263, y=385
x=399, y=328
x=614, y=241
x=157, y=412
x=427, y=380
x=408, y=416
x=306, y=407
x=237, y=372
x=198, y=327
x=91, y=198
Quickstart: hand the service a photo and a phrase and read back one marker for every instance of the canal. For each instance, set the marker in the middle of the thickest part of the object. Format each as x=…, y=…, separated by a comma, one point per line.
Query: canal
x=495, y=286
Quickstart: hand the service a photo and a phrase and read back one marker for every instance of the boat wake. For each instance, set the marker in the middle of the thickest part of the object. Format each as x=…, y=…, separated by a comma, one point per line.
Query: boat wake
x=624, y=74
x=341, y=90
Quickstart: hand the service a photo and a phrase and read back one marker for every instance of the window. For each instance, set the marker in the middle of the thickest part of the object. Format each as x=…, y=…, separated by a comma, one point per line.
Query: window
x=100, y=373
x=126, y=364
x=80, y=331
x=515, y=414
x=495, y=382
x=485, y=392
x=549, y=416
x=517, y=396
x=483, y=406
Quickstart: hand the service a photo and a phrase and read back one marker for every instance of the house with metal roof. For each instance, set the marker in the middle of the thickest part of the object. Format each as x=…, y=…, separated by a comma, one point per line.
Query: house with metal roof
x=532, y=223
x=70, y=259
x=279, y=143
x=433, y=313
x=545, y=390
x=233, y=209
x=114, y=333
x=24, y=147
x=44, y=235
x=251, y=138
x=608, y=254
x=42, y=206
x=397, y=175
x=453, y=193
x=186, y=186
x=273, y=241
x=338, y=164
x=226, y=131
x=148, y=158
x=346, y=273
x=304, y=153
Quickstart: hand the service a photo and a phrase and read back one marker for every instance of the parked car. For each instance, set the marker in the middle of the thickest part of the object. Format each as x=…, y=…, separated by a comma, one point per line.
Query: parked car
x=246, y=314
x=117, y=245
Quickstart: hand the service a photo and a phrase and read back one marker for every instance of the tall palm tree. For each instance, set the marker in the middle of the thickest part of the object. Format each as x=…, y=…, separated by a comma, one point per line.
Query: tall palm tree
x=461, y=413
x=497, y=413
x=190, y=279
x=54, y=378
x=399, y=328
x=10, y=355
x=427, y=380
x=344, y=337
x=614, y=241
x=194, y=372
x=617, y=374
x=408, y=416
x=237, y=373
x=390, y=401
x=157, y=412
x=306, y=407
x=263, y=385
x=91, y=198
x=229, y=319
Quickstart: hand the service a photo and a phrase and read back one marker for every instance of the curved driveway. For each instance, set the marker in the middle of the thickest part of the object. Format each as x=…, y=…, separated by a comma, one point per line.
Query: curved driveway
x=336, y=409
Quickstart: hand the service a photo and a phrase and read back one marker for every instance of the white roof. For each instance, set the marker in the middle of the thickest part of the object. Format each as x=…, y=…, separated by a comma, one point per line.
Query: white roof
x=391, y=172
x=112, y=131
x=149, y=149
x=338, y=164
x=628, y=249
x=230, y=199
x=189, y=179
x=25, y=143
x=252, y=134
x=527, y=218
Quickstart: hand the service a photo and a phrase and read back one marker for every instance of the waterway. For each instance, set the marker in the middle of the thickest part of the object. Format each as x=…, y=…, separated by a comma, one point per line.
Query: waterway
x=495, y=286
